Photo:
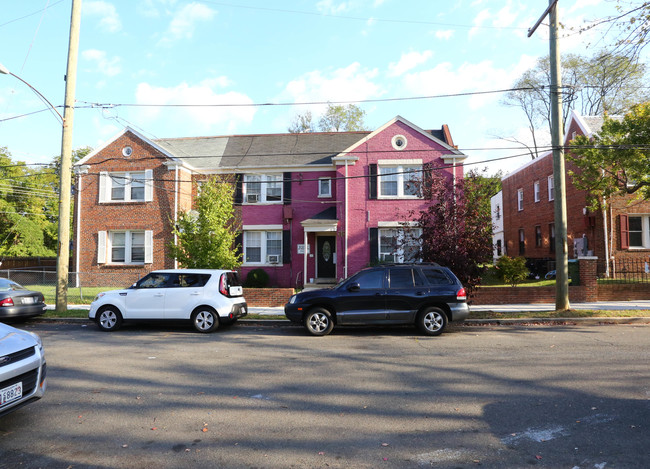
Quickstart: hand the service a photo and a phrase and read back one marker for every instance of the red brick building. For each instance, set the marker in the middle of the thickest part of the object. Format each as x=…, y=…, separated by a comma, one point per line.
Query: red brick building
x=315, y=207
x=617, y=233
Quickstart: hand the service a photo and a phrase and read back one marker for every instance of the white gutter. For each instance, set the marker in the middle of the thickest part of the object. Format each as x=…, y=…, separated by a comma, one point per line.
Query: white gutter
x=78, y=234
x=345, y=261
x=175, y=210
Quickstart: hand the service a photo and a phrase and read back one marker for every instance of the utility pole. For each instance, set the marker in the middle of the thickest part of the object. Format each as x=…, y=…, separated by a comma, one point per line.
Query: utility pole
x=63, y=259
x=559, y=174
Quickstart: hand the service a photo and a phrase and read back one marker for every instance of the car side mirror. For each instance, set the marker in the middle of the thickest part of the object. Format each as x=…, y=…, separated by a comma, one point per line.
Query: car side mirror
x=354, y=287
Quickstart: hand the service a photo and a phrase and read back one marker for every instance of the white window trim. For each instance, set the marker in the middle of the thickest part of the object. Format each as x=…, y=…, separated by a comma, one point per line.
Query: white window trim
x=264, y=180
x=105, y=186
x=520, y=200
x=551, y=188
x=263, y=251
x=329, y=192
x=400, y=170
x=398, y=256
x=104, y=247
x=536, y=191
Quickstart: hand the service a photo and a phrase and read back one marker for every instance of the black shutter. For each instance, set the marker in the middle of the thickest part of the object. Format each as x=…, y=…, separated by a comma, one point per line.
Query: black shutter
x=286, y=247
x=239, y=243
x=372, y=181
x=239, y=195
x=287, y=188
x=374, y=245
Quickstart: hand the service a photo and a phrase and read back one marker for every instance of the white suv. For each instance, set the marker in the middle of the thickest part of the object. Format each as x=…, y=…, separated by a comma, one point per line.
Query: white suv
x=204, y=296
x=22, y=368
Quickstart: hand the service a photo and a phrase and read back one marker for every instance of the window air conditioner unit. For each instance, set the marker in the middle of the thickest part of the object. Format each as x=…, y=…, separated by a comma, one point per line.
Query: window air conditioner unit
x=252, y=198
x=273, y=259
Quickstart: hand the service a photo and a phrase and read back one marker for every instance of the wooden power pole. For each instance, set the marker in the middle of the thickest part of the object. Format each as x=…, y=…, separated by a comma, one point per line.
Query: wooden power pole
x=559, y=174
x=63, y=258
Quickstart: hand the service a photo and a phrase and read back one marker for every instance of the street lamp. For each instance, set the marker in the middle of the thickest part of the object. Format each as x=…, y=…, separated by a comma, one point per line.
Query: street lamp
x=4, y=71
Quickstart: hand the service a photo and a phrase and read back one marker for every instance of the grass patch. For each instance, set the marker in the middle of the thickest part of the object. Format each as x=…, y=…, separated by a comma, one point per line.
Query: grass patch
x=76, y=296
x=573, y=313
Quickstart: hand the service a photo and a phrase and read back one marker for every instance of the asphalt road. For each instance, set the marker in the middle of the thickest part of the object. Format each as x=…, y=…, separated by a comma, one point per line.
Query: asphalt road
x=272, y=396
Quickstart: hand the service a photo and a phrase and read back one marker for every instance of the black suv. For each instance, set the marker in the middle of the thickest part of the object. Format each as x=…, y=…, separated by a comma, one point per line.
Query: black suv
x=426, y=295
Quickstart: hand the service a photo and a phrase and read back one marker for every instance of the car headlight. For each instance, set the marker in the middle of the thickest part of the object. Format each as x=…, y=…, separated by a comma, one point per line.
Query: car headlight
x=292, y=300
x=99, y=295
x=38, y=340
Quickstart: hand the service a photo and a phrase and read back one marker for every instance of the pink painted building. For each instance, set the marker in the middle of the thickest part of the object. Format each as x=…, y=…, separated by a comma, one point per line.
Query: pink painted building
x=315, y=207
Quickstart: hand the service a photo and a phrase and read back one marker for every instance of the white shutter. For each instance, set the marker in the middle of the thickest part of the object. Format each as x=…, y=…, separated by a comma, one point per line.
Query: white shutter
x=101, y=247
x=104, y=186
x=148, y=247
x=148, y=185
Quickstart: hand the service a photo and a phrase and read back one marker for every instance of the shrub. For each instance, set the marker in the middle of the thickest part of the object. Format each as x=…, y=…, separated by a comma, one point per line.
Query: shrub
x=257, y=278
x=512, y=269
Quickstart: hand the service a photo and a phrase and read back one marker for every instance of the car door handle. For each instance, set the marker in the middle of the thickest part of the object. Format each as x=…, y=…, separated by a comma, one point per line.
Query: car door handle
x=421, y=293
x=195, y=293
x=158, y=294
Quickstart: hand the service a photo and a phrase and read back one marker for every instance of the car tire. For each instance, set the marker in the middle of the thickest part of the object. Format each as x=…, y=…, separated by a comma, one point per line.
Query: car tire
x=109, y=318
x=319, y=322
x=431, y=321
x=205, y=319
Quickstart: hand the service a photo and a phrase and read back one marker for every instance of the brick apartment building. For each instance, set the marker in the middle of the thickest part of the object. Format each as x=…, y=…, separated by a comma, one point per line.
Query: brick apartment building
x=315, y=207
x=618, y=233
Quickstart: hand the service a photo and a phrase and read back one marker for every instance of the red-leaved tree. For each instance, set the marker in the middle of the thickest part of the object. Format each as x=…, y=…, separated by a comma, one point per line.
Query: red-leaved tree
x=456, y=227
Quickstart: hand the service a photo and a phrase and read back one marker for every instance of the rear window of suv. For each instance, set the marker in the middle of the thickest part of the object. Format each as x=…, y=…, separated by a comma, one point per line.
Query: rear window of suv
x=404, y=278
x=436, y=277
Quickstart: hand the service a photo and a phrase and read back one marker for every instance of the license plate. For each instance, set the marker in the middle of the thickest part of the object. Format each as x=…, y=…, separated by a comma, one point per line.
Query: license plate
x=28, y=300
x=11, y=393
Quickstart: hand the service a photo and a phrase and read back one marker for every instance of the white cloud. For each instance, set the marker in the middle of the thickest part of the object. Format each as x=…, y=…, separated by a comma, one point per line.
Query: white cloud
x=109, y=19
x=582, y=4
x=104, y=65
x=505, y=17
x=482, y=17
x=444, y=34
x=408, y=62
x=185, y=22
x=331, y=7
x=445, y=78
x=200, y=119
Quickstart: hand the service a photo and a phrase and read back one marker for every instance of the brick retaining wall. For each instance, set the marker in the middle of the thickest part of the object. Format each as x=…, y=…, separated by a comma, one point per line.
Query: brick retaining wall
x=267, y=296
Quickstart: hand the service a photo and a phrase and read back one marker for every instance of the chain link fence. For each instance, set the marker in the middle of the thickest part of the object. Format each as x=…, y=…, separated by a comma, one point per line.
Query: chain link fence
x=82, y=286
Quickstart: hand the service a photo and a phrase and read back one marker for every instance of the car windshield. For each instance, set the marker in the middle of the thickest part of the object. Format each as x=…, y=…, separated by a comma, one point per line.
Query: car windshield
x=8, y=285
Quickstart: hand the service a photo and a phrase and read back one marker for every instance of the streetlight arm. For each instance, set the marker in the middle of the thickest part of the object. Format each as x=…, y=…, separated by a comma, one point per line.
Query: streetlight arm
x=4, y=71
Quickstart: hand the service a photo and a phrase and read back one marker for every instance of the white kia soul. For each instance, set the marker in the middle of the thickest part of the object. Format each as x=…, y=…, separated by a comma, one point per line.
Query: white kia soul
x=205, y=297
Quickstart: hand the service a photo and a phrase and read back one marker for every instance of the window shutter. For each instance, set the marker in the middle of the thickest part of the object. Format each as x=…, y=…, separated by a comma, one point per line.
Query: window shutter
x=148, y=247
x=148, y=185
x=625, y=232
x=104, y=186
x=101, y=247
x=239, y=195
x=286, y=247
x=374, y=245
x=372, y=181
x=286, y=190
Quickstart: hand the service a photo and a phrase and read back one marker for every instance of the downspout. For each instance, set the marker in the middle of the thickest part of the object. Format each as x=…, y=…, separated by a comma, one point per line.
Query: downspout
x=605, y=230
x=345, y=262
x=175, y=211
x=78, y=234
x=305, y=253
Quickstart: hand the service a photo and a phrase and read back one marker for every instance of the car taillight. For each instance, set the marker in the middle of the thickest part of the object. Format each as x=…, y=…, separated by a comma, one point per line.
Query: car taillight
x=223, y=288
x=461, y=295
x=7, y=302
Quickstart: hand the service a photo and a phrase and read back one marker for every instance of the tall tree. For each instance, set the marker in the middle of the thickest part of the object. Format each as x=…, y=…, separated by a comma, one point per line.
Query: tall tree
x=604, y=82
x=617, y=159
x=456, y=231
x=206, y=236
x=337, y=118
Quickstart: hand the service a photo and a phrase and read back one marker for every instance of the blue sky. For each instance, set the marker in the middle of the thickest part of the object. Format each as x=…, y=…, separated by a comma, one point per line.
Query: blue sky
x=252, y=51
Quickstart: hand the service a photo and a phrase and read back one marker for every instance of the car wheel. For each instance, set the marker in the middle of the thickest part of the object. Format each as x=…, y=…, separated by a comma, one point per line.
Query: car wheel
x=205, y=319
x=431, y=321
x=319, y=322
x=109, y=318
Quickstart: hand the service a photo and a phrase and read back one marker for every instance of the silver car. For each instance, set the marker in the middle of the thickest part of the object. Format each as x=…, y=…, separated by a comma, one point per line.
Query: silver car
x=22, y=368
x=206, y=297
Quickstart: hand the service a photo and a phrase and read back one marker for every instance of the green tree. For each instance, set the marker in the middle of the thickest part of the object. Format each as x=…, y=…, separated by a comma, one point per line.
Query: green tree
x=337, y=118
x=617, y=159
x=512, y=269
x=479, y=188
x=206, y=236
x=602, y=83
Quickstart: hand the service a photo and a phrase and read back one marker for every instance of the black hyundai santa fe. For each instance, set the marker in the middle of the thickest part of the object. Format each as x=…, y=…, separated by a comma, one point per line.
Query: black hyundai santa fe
x=426, y=295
